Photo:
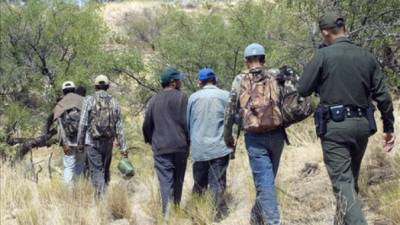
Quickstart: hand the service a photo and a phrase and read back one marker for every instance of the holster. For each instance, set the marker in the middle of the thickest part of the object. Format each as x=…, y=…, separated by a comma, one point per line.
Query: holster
x=371, y=119
x=320, y=117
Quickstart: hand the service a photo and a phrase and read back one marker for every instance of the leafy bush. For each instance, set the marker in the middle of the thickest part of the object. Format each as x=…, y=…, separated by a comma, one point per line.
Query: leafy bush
x=216, y=36
x=43, y=44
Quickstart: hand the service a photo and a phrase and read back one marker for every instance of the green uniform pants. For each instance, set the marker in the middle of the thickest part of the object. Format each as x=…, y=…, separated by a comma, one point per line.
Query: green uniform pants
x=344, y=146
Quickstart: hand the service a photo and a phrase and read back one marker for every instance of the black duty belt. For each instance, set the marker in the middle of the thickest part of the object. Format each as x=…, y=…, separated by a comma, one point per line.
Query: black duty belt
x=339, y=113
x=355, y=112
x=346, y=112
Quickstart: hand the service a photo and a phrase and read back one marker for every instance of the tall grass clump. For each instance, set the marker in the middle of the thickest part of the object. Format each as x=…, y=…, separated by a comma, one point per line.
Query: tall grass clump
x=117, y=200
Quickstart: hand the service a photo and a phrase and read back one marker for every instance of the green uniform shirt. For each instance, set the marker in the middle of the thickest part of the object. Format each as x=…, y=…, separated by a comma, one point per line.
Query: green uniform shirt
x=345, y=74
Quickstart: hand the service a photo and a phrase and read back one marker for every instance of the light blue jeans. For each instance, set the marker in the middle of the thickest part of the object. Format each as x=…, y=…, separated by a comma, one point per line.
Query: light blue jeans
x=74, y=166
x=264, y=152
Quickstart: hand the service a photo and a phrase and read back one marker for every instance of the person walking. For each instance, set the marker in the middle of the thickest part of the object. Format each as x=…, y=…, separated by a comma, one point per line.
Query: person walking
x=165, y=128
x=48, y=135
x=346, y=78
x=67, y=114
x=255, y=97
x=100, y=124
x=205, y=116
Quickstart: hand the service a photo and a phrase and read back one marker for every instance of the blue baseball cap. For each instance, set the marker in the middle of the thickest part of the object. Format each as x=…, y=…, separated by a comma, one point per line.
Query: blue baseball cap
x=205, y=74
x=169, y=74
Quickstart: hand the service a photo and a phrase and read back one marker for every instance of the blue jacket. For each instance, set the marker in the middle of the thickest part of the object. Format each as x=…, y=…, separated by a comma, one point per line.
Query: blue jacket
x=205, y=116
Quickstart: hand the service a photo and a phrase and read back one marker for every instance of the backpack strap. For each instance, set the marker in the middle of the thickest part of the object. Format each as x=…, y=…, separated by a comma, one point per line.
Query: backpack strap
x=61, y=133
x=286, y=136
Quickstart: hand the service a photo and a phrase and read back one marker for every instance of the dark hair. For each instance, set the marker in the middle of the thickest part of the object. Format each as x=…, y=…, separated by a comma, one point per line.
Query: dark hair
x=167, y=83
x=212, y=80
x=102, y=87
x=81, y=90
x=256, y=58
x=68, y=90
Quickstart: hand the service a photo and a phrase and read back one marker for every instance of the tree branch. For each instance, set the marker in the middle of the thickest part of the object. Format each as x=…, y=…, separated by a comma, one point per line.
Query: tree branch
x=28, y=143
x=135, y=78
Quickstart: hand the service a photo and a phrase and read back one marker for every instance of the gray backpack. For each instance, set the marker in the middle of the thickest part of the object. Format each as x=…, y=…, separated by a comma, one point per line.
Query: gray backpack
x=70, y=122
x=103, y=118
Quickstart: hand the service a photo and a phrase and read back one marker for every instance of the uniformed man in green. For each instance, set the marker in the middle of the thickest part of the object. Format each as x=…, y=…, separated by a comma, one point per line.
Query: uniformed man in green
x=347, y=78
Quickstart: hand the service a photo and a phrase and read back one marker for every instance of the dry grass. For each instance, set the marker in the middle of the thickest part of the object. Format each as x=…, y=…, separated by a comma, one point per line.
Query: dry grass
x=53, y=202
x=381, y=185
x=153, y=204
x=117, y=200
x=305, y=199
x=389, y=200
x=28, y=215
x=200, y=209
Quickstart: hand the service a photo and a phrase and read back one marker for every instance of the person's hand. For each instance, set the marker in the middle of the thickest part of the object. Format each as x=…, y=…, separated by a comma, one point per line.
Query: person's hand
x=80, y=147
x=124, y=154
x=232, y=156
x=388, y=139
x=67, y=150
x=230, y=143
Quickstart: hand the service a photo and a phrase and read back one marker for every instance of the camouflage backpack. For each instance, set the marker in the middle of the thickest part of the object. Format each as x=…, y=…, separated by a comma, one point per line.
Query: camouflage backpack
x=103, y=119
x=260, y=101
x=294, y=107
x=70, y=122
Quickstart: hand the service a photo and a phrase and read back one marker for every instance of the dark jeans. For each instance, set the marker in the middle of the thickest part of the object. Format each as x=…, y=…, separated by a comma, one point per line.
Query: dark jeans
x=99, y=158
x=211, y=173
x=344, y=146
x=264, y=152
x=170, y=169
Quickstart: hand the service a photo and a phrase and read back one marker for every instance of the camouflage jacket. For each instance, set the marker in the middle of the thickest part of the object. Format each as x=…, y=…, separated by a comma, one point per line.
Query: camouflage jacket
x=232, y=115
x=83, y=133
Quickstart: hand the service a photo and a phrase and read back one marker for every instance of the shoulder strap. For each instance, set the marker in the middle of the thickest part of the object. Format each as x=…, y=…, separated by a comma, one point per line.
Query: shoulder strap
x=61, y=133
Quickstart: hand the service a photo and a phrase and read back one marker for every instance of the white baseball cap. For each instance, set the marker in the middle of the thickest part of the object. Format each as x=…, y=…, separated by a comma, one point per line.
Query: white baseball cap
x=68, y=84
x=101, y=79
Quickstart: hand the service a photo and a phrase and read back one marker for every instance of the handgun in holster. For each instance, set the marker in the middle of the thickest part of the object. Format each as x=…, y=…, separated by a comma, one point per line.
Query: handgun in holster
x=321, y=118
x=371, y=119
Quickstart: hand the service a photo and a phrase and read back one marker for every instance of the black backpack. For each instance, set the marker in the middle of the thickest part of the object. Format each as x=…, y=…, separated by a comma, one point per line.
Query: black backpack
x=294, y=107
